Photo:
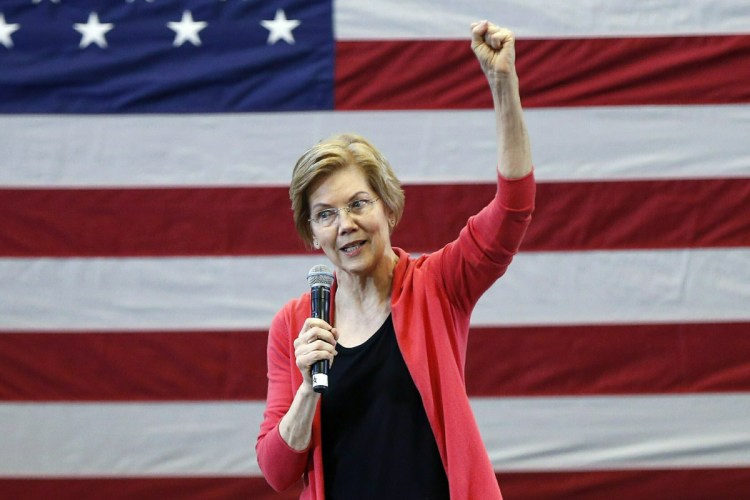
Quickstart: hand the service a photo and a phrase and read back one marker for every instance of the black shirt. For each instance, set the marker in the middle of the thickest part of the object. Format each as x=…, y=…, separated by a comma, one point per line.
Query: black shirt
x=377, y=441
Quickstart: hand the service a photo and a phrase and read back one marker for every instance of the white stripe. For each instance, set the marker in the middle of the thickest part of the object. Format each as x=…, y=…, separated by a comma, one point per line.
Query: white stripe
x=627, y=432
x=123, y=439
x=217, y=439
x=430, y=19
x=424, y=147
x=620, y=287
x=231, y=293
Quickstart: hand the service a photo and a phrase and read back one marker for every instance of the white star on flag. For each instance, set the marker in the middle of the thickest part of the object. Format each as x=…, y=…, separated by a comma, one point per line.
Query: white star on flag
x=280, y=28
x=187, y=30
x=93, y=31
x=6, y=30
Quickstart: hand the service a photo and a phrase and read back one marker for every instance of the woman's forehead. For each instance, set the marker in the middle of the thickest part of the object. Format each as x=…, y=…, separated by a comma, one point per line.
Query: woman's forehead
x=343, y=182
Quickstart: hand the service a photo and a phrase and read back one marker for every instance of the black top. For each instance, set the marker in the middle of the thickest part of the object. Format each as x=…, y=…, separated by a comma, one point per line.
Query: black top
x=377, y=441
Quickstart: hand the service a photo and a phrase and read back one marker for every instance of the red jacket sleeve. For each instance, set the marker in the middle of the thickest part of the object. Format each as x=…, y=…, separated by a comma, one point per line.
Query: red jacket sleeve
x=282, y=465
x=486, y=245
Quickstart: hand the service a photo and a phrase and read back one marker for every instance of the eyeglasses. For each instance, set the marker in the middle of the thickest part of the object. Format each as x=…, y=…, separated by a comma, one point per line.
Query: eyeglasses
x=329, y=216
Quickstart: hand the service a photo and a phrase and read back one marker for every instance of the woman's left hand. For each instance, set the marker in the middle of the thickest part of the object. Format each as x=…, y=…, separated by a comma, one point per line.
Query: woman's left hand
x=495, y=48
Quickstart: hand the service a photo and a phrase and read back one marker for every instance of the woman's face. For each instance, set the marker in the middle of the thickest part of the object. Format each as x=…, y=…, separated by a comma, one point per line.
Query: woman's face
x=355, y=244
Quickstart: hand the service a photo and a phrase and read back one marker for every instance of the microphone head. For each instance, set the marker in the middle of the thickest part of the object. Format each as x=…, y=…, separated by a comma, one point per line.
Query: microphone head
x=320, y=276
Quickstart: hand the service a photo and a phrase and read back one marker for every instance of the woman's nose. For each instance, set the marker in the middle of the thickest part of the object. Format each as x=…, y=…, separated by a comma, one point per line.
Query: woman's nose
x=346, y=220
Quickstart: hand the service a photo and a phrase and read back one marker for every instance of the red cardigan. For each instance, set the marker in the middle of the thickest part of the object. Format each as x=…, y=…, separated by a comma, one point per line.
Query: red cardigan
x=431, y=303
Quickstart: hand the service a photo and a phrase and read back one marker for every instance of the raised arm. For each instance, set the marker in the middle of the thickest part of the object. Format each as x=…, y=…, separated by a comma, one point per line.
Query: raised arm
x=495, y=49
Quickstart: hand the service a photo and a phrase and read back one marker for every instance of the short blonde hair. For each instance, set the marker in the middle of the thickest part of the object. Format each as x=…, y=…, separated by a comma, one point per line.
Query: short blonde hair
x=334, y=153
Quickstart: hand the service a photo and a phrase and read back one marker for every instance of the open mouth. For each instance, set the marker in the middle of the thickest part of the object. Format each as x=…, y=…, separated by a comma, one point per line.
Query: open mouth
x=352, y=248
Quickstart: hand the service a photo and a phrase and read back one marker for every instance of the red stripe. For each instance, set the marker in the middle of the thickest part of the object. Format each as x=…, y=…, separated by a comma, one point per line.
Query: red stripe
x=655, y=214
x=513, y=361
x=144, y=366
x=443, y=74
x=144, y=488
x=683, y=484
x=609, y=359
x=146, y=222
x=257, y=221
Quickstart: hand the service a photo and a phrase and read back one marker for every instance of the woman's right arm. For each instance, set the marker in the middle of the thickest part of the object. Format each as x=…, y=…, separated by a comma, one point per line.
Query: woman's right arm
x=315, y=342
x=285, y=434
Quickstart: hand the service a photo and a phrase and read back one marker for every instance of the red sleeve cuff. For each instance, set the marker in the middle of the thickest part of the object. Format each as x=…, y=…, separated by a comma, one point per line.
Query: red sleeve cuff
x=517, y=194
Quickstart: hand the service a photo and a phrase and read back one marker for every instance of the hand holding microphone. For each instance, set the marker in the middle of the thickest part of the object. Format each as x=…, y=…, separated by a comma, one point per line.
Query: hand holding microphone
x=315, y=345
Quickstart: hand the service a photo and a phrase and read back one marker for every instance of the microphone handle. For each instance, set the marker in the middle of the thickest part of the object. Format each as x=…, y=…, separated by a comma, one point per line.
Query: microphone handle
x=320, y=305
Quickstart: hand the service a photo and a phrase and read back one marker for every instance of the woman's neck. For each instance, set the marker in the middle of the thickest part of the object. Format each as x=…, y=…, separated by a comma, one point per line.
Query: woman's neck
x=366, y=288
x=365, y=296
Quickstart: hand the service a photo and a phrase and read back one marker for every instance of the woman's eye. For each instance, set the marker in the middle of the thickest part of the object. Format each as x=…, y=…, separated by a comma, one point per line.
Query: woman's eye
x=325, y=214
x=357, y=204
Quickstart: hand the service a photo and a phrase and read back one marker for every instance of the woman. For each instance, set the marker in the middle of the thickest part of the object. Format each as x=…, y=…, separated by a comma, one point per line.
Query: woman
x=396, y=421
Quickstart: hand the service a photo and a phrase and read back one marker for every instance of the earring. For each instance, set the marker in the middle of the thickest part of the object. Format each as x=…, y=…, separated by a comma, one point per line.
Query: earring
x=392, y=222
x=316, y=244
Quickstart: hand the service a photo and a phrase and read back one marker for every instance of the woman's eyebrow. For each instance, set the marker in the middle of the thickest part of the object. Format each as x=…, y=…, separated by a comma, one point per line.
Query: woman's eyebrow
x=351, y=198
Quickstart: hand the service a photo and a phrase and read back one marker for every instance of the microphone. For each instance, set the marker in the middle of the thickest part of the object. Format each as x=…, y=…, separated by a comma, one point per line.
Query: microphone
x=320, y=279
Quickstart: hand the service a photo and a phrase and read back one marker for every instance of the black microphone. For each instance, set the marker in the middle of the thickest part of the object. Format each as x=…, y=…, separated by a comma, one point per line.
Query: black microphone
x=320, y=279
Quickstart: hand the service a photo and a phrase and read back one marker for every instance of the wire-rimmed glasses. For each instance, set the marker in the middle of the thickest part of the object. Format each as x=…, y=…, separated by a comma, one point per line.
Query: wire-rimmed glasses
x=328, y=216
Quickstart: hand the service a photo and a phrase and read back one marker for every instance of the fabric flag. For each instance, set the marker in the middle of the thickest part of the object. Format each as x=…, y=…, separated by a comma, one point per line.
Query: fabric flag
x=146, y=236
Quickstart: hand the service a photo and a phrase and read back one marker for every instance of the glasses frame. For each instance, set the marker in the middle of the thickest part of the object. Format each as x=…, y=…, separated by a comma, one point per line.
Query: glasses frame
x=347, y=208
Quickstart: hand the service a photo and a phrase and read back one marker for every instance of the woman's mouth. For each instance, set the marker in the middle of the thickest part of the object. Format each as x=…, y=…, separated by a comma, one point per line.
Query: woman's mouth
x=352, y=248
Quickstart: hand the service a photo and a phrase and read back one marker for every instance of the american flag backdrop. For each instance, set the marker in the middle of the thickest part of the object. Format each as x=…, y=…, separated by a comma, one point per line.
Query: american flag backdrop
x=146, y=236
